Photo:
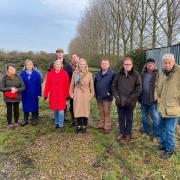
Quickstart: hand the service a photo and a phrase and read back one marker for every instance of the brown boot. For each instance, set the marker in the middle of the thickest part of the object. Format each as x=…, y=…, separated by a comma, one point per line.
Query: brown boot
x=128, y=137
x=120, y=137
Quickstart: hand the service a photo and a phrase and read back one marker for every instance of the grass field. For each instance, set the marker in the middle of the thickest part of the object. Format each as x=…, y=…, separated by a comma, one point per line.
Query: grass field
x=41, y=152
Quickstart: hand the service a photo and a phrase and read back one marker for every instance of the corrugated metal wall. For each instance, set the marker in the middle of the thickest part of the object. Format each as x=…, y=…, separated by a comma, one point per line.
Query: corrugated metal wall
x=159, y=52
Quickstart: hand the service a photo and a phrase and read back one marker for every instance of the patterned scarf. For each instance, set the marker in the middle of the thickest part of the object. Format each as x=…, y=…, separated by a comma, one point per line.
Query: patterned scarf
x=12, y=76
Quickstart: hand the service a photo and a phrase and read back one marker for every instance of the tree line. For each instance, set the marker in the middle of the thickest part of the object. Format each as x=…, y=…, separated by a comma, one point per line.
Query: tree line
x=114, y=28
x=41, y=59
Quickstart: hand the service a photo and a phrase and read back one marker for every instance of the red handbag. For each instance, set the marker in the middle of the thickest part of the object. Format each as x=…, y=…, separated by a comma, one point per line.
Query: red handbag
x=11, y=95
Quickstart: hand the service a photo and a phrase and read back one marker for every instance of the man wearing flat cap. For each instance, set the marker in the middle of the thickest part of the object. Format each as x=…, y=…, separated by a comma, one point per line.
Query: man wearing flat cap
x=147, y=99
x=60, y=57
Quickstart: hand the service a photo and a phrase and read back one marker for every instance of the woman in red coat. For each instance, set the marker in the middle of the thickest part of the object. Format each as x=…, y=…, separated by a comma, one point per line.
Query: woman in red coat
x=57, y=90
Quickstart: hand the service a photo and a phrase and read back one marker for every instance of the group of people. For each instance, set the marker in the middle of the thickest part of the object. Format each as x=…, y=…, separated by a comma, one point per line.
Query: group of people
x=157, y=93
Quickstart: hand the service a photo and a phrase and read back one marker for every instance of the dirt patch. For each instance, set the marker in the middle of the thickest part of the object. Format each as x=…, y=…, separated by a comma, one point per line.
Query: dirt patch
x=65, y=156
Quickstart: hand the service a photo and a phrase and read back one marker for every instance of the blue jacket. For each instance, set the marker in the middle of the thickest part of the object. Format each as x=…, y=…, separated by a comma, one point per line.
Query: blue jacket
x=30, y=102
x=102, y=85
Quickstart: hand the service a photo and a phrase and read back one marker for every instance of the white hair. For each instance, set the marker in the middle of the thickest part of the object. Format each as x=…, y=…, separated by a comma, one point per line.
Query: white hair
x=168, y=56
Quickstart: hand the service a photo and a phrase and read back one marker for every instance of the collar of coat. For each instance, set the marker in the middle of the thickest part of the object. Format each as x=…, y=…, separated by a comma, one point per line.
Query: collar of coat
x=155, y=71
x=107, y=72
x=129, y=73
x=175, y=68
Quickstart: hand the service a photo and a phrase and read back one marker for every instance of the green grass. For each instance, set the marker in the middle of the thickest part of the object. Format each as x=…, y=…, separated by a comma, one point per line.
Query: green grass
x=41, y=152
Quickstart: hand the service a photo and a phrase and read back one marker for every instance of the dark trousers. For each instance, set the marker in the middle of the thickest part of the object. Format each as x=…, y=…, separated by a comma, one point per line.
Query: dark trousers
x=34, y=116
x=12, y=107
x=71, y=109
x=82, y=121
x=125, y=120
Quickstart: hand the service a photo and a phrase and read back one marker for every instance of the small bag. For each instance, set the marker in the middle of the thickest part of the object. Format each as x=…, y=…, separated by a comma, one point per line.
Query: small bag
x=11, y=95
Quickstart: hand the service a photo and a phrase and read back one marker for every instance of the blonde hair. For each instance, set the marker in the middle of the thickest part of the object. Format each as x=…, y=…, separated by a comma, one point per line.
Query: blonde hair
x=27, y=62
x=83, y=60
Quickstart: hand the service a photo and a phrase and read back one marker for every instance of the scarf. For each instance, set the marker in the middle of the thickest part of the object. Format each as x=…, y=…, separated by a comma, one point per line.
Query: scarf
x=29, y=74
x=12, y=76
x=80, y=75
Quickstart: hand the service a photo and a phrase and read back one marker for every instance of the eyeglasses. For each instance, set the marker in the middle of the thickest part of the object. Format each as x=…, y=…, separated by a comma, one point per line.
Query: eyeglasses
x=127, y=64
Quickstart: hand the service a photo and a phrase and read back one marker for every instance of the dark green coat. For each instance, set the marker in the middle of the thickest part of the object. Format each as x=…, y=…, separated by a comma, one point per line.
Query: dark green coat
x=7, y=83
x=167, y=91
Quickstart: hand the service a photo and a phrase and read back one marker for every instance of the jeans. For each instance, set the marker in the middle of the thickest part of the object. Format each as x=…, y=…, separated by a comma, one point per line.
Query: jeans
x=59, y=118
x=125, y=120
x=145, y=109
x=167, y=127
x=71, y=109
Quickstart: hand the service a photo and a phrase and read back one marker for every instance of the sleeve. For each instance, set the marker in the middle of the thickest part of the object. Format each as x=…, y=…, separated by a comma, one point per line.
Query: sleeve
x=22, y=86
x=138, y=88
x=72, y=86
x=3, y=87
x=47, y=86
x=156, y=88
x=114, y=75
x=39, y=85
x=68, y=69
x=114, y=87
x=67, y=85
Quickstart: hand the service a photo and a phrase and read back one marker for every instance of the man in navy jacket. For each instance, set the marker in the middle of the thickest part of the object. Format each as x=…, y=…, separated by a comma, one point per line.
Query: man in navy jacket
x=102, y=86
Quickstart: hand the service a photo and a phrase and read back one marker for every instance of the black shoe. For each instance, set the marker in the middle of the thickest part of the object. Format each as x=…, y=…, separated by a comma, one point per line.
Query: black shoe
x=83, y=130
x=160, y=148
x=56, y=126
x=78, y=129
x=167, y=154
x=34, y=123
x=24, y=123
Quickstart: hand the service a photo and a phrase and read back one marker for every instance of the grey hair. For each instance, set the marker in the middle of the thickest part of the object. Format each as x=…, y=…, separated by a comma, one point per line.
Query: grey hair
x=168, y=56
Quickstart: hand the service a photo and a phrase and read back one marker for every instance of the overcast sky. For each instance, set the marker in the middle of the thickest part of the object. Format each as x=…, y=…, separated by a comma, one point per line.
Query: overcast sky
x=39, y=25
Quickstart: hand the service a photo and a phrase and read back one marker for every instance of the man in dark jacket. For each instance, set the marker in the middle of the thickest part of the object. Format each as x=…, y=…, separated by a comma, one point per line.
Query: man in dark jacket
x=102, y=86
x=126, y=89
x=147, y=99
x=74, y=61
x=60, y=56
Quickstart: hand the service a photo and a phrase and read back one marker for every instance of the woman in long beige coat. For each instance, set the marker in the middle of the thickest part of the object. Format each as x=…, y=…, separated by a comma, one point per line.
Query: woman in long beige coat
x=82, y=91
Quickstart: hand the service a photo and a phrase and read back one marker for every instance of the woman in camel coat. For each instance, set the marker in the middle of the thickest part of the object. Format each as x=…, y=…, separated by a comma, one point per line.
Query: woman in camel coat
x=82, y=91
